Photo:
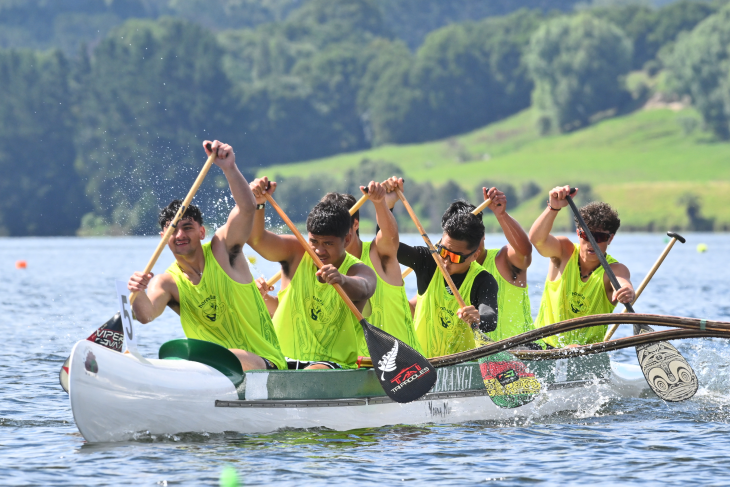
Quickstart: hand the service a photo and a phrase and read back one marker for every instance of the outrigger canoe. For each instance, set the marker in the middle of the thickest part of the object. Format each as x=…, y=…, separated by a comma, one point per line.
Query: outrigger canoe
x=116, y=396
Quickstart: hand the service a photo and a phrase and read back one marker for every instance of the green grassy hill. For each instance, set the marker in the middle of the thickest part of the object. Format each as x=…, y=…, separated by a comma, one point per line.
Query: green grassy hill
x=645, y=164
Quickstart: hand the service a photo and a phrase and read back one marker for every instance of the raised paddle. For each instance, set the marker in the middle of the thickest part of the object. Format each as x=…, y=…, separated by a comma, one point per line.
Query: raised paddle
x=507, y=380
x=476, y=211
x=275, y=278
x=110, y=334
x=640, y=289
x=404, y=374
x=661, y=358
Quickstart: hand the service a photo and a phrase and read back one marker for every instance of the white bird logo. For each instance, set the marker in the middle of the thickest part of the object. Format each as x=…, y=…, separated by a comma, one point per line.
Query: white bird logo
x=387, y=363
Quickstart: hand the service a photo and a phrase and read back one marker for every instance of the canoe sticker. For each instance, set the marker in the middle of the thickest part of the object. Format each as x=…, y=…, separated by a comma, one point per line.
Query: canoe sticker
x=90, y=363
x=664, y=367
x=508, y=382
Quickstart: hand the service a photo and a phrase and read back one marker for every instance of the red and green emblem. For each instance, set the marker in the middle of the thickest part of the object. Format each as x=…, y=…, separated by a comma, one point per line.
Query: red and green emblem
x=508, y=382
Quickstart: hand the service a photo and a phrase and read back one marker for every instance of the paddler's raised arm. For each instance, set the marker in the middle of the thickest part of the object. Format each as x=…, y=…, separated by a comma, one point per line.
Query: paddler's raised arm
x=548, y=245
x=387, y=238
x=272, y=247
x=237, y=229
x=519, y=250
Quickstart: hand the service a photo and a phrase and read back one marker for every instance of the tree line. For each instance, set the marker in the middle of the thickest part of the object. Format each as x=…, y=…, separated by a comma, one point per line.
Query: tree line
x=113, y=131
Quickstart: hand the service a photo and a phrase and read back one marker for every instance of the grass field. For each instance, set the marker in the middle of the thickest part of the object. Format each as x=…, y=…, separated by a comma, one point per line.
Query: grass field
x=642, y=163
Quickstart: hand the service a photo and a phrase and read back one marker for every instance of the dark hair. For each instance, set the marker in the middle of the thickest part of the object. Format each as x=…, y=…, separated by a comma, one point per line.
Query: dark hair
x=168, y=213
x=329, y=218
x=460, y=224
x=344, y=199
x=600, y=216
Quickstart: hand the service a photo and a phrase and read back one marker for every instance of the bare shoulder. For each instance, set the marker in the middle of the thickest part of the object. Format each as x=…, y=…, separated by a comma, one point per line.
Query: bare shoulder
x=620, y=269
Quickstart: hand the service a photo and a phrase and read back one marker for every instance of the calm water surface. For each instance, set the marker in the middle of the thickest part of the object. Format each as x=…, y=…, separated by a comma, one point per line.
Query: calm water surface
x=67, y=291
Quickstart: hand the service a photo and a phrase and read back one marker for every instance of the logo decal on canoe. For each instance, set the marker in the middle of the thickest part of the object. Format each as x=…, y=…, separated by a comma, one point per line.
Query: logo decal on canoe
x=387, y=363
x=90, y=363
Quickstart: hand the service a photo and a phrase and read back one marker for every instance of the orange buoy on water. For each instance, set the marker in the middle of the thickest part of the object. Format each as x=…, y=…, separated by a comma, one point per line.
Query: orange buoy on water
x=21, y=264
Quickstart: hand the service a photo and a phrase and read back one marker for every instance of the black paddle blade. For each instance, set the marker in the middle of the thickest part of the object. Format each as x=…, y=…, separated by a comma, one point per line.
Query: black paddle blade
x=666, y=370
x=404, y=373
x=109, y=335
x=508, y=382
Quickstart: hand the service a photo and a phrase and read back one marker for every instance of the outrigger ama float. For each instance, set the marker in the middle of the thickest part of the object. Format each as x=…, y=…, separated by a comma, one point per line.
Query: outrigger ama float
x=200, y=387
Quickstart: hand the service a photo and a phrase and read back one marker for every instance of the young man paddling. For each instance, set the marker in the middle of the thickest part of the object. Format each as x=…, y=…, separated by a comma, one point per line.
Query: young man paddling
x=389, y=308
x=509, y=266
x=576, y=284
x=442, y=327
x=210, y=285
x=315, y=327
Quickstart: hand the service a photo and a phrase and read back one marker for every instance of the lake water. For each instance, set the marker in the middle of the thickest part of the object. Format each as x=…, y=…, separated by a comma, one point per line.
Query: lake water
x=67, y=291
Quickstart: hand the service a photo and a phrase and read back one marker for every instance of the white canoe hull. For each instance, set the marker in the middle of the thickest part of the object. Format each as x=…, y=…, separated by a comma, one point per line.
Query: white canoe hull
x=116, y=396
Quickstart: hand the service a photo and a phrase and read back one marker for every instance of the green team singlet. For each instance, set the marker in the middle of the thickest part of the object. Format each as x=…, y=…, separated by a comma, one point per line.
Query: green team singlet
x=438, y=328
x=312, y=322
x=390, y=310
x=223, y=311
x=513, y=303
x=569, y=297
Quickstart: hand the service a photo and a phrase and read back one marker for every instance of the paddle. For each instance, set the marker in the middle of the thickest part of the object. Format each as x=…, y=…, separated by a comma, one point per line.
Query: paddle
x=661, y=358
x=507, y=380
x=476, y=211
x=640, y=289
x=275, y=278
x=105, y=335
x=405, y=374
x=570, y=325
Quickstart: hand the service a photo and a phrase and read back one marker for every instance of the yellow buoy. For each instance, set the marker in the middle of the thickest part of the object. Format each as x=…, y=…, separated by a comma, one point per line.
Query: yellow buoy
x=701, y=248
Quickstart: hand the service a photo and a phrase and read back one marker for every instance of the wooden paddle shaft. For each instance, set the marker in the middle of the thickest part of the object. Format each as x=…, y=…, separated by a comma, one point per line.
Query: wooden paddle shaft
x=173, y=224
x=643, y=284
x=476, y=211
x=435, y=254
x=275, y=278
x=313, y=255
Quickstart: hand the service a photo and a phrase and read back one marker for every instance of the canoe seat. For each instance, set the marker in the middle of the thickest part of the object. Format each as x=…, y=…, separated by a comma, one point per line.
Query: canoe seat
x=208, y=353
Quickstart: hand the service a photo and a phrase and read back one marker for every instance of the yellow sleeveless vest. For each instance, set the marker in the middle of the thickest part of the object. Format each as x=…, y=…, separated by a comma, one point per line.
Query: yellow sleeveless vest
x=390, y=310
x=223, y=311
x=513, y=303
x=438, y=329
x=569, y=297
x=312, y=322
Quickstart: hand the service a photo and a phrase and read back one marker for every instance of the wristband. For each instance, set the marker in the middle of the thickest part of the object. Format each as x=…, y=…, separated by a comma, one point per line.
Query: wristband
x=553, y=209
x=261, y=206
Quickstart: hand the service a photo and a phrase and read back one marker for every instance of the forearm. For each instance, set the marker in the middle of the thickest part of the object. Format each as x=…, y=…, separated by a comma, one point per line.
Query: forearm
x=540, y=231
x=272, y=304
x=516, y=236
x=144, y=310
x=258, y=229
x=240, y=190
x=387, y=238
x=484, y=299
x=357, y=288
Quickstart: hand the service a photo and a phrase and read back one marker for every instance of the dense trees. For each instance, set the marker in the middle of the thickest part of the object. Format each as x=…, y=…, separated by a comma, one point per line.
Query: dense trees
x=700, y=66
x=116, y=125
x=41, y=192
x=576, y=63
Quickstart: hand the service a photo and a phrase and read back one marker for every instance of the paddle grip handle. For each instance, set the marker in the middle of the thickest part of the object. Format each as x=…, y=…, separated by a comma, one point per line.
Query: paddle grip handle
x=602, y=258
x=313, y=255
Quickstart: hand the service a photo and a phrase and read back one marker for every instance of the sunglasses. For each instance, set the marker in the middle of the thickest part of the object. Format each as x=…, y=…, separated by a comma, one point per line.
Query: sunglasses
x=599, y=236
x=454, y=257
